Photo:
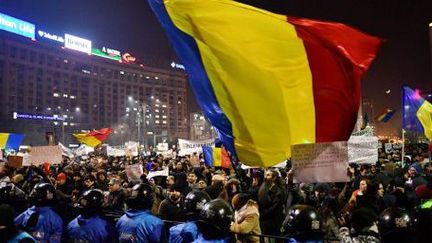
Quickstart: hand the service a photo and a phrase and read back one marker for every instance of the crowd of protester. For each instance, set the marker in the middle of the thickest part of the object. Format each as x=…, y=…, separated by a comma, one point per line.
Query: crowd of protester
x=93, y=200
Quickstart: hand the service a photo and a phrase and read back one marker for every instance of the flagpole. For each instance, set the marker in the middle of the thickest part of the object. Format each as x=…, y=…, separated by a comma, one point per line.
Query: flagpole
x=403, y=148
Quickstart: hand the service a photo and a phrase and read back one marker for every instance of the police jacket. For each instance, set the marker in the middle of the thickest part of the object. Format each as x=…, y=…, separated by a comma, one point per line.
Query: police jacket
x=93, y=229
x=183, y=233
x=140, y=226
x=45, y=225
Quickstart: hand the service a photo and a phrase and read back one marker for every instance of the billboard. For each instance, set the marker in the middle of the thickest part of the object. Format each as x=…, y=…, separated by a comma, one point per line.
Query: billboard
x=128, y=58
x=17, y=115
x=45, y=35
x=77, y=43
x=107, y=53
x=16, y=26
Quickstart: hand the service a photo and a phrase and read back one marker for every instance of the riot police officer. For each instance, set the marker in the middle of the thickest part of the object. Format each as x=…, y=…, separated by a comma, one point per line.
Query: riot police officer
x=303, y=224
x=193, y=204
x=8, y=231
x=138, y=224
x=89, y=226
x=12, y=195
x=40, y=220
x=214, y=223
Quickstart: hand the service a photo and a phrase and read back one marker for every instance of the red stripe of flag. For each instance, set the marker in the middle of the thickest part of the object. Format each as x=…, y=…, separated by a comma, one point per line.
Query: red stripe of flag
x=338, y=57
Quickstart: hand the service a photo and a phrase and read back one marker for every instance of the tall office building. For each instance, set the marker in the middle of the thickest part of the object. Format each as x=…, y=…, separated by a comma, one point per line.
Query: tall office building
x=64, y=84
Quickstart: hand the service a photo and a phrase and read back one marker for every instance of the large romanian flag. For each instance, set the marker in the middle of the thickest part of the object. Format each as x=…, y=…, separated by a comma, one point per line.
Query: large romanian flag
x=267, y=81
x=10, y=140
x=93, y=138
x=417, y=112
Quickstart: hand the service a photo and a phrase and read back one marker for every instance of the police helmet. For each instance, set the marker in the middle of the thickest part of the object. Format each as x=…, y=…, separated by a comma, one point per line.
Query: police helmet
x=90, y=202
x=42, y=194
x=195, y=201
x=6, y=192
x=218, y=213
x=394, y=219
x=302, y=219
x=141, y=197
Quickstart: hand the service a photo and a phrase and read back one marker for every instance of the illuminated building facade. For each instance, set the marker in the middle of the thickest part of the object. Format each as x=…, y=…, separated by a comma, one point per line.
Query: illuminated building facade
x=62, y=83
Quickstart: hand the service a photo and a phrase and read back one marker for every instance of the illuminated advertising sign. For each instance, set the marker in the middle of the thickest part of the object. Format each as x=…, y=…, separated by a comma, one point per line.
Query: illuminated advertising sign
x=107, y=53
x=16, y=26
x=128, y=58
x=53, y=37
x=77, y=43
x=177, y=65
x=17, y=115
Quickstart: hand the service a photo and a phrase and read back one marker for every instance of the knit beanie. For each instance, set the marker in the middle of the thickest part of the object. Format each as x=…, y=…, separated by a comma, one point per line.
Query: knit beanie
x=417, y=166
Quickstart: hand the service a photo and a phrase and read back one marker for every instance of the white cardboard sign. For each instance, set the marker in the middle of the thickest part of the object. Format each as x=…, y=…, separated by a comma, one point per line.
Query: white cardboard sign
x=321, y=162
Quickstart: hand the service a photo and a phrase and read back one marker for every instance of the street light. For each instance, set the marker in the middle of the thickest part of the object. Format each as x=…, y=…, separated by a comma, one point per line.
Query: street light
x=140, y=109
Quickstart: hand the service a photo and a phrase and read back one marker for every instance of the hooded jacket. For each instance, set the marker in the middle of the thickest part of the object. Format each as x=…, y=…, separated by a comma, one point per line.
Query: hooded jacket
x=93, y=229
x=183, y=233
x=49, y=225
x=246, y=221
x=140, y=226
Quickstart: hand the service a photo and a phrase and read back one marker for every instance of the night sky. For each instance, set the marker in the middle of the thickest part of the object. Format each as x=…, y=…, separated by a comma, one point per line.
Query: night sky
x=130, y=26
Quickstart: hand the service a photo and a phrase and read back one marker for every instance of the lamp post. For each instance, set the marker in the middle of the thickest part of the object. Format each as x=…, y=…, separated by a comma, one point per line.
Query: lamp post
x=140, y=109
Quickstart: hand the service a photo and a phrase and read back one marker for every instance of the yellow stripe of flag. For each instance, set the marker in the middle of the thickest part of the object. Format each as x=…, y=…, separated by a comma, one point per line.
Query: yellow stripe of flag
x=3, y=139
x=424, y=114
x=88, y=140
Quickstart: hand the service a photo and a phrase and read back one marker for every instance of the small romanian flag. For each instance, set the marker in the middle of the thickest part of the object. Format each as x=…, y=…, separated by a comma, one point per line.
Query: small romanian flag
x=10, y=140
x=217, y=157
x=386, y=115
x=93, y=138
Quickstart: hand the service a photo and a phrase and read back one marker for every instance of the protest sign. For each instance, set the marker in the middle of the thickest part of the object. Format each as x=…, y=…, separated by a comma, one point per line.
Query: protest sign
x=49, y=154
x=167, y=154
x=363, y=149
x=83, y=150
x=66, y=151
x=188, y=147
x=131, y=148
x=15, y=161
x=26, y=160
x=321, y=162
x=115, y=151
x=163, y=172
x=388, y=147
x=134, y=172
x=162, y=147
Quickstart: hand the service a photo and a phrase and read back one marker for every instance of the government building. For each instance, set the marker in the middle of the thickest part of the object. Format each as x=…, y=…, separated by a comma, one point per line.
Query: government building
x=61, y=84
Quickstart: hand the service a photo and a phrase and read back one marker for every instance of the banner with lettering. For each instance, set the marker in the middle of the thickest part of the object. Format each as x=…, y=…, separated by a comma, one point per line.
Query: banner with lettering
x=49, y=154
x=134, y=172
x=320, y=162
x=363, y=149
x=115, y=151
x=188, y=147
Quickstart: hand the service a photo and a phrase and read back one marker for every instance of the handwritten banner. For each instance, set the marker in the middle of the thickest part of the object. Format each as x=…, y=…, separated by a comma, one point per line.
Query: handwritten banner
x=363, y=149
x=49, y=154
x=321, y=162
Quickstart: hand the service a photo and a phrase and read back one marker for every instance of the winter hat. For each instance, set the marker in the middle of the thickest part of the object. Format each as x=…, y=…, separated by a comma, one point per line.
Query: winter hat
x=417, y=166
x=362, y=218
x=322, y=187
x=18, y=178
x=239, y=200
x=61, y=176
